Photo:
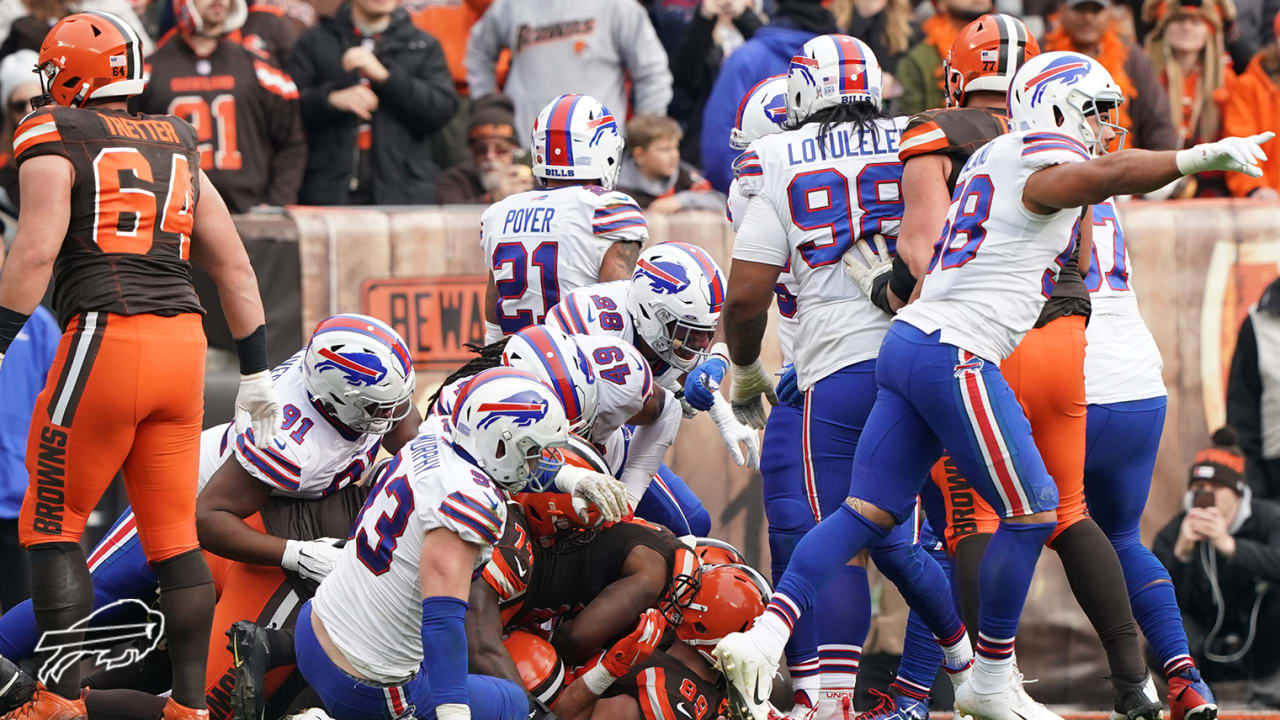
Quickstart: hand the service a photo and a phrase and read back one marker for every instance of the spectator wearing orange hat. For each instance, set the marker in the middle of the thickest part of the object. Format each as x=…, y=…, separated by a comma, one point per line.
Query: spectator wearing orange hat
x=920, y=70
x=1187, y=49
x=492, y=172
x=1253, y=106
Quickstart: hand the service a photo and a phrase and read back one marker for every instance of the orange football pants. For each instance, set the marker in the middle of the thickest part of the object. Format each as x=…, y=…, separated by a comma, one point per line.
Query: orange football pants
x=1046, y=373
x=126, y=392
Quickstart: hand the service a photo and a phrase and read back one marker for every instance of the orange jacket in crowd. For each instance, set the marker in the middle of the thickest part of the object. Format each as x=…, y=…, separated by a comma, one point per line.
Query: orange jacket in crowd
x=1252, y=107
x=450, y=21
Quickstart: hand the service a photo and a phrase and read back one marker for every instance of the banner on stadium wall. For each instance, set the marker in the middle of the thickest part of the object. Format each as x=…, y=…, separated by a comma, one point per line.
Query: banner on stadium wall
x=436, y=316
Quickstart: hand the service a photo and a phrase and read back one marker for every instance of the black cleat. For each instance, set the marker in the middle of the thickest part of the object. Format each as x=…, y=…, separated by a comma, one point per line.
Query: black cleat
x=1136, y=702
x=16, y=687
x=248, y=645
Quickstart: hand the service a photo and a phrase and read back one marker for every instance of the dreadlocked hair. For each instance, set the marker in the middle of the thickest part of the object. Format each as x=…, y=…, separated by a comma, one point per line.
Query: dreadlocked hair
x=862, y=114
x=487, y=356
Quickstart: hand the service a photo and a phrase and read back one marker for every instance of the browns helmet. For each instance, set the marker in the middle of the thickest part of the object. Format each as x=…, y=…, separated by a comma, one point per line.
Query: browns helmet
x=550, y=512
x=728, y=599
x=540, y=668
x=685, y=572
x=718, y=552
x=985, y=55
x=90, y=56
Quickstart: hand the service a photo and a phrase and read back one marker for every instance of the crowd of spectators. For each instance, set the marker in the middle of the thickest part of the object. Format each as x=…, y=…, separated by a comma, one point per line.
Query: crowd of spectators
x=397, y=102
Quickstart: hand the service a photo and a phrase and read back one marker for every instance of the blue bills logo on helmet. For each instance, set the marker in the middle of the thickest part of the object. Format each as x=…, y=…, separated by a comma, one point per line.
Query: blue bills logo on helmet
x=667, y=278
x=805, y=66
x=776, y=109
x=360, y=369
x=599, y=126
x=1067, y=70
x=524, y=408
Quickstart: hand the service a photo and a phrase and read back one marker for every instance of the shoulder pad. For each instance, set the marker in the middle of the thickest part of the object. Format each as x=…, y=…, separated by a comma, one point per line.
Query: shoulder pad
x=1042, y=148
x=954, y=131
x=618, y=216
x=38, y=134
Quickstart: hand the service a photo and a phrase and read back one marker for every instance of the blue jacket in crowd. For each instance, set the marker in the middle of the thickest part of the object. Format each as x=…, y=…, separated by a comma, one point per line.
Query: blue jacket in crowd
x=768, y=52
x=22, y=377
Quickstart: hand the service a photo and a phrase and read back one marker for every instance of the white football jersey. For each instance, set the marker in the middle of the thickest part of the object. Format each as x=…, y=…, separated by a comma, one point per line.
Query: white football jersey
x=310, y=457
x=541, y=244
x=984, y=285
x=786, y=288
x=815, y=199
x=1121, y=361
x=601, y=309
x=428, y=485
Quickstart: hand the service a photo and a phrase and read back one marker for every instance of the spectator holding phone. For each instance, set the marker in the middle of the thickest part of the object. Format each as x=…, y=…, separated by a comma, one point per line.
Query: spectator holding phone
x=1223, y=554
x=493, y=171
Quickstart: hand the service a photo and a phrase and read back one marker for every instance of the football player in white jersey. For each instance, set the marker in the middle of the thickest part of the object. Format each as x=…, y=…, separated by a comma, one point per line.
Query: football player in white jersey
x=575, y=230
x=938, y=381
x=831, y=178
x=668, y=311
x=431, y=521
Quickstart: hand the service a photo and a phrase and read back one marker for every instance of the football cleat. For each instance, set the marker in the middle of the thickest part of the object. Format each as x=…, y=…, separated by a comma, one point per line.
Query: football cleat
x=1190, y=697
x=248, y=645
x=1136, y=702
x=748, y=673
x=48, y=705
x=174, y=711
x=1012, y=703
x=900, y=707
x=834, y=705
x=309, y=714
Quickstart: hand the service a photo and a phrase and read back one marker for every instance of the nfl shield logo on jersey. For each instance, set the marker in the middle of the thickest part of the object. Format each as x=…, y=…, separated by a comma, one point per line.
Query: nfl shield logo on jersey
x=524, y=409
x=666, y=278
x=360, y=369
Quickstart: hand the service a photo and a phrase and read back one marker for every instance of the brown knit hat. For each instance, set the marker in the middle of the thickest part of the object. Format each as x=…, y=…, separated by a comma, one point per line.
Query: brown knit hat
x=1160, y=12
x=492, y=117
x=1222, y=464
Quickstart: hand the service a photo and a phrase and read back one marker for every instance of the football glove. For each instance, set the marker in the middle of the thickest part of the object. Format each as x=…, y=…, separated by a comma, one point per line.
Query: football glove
x=588, y=487
x=258, y=408
x=1232, y=154
x=869, y=263
x=702, y=382
x=312, y=559
x=735, y=433
x=749, y=381
x=789, y=388
x=637, y=646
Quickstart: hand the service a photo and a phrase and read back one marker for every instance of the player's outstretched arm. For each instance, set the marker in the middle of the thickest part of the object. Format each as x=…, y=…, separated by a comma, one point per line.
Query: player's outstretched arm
x=231, y=496
x=1133, y=172
x=216, y=247
x=444, y=575
x=46, y=186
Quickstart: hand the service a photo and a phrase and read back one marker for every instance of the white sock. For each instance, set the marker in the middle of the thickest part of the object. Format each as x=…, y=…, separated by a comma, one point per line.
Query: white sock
x=991, y=675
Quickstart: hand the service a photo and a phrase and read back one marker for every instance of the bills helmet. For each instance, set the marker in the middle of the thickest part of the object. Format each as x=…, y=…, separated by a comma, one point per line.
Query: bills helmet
x=90, y=56
x=358, y=369
x=831, y=70
x=1059, y=91
x=675, y=298
x=728, y=599
x=762, y=112
x=540, y=667
x=504, y=419
x=577, y=138
x=557, y=359
x=985, y=56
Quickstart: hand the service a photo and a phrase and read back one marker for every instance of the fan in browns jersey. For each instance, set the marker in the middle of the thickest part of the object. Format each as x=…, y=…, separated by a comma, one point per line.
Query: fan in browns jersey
x=244, y=110
x=1046, y=370
x=116, y=208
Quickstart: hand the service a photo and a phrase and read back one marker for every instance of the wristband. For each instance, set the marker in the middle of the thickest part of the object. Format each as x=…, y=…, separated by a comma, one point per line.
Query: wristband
x=880, y=293
x=253, y=351
x=901, y=282
x=597, y=679
x=11, y=322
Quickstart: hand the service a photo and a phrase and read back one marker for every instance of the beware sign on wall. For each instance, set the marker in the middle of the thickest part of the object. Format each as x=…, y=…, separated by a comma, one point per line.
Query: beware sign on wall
x=436, y=316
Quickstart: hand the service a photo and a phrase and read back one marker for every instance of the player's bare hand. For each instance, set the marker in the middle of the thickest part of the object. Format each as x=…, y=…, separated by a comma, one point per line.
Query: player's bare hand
x=358, y=100
x=258, y=408
x=749, y=383
x=361, y=60
x=865, y=263
x=1232, y=154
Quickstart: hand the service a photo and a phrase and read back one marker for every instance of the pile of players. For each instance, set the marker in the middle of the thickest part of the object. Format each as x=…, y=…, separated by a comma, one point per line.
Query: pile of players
x=525, y=553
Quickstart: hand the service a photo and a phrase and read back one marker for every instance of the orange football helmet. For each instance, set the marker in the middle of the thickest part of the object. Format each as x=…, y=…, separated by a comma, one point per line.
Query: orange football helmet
x=729, y=598
x=550, y=512
x=540, y=667
x=90, y=56
x=718, y=552
x=985, y=55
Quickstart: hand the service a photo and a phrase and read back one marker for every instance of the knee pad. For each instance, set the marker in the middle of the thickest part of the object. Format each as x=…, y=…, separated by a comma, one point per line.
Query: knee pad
x=182, y=571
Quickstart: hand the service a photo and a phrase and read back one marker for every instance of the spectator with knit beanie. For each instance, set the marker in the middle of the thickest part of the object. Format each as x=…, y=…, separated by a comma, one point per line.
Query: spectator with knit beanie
x=492, y=171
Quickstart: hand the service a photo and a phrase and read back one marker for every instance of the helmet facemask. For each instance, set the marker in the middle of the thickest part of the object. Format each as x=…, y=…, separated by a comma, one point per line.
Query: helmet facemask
x=1106, y=108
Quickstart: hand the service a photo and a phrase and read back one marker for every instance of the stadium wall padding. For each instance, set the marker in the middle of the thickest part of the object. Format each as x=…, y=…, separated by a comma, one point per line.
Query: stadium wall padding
x=1198, y=265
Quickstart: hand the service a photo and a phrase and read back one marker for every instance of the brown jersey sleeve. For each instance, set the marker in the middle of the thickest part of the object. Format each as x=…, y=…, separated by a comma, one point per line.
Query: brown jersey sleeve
x=955, y=132
x=510, y=569
x=36, y=135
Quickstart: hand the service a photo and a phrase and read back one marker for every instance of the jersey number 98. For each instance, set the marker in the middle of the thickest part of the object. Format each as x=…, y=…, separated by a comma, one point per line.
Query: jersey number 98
x=820, y=200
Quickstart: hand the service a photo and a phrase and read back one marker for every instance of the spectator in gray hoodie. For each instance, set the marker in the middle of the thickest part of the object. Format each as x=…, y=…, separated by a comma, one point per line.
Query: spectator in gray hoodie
x=570, y=46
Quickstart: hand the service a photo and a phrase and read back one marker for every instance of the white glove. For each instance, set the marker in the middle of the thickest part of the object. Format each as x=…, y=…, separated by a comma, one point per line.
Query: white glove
x=257, y=407
x=865, y=266
x=748, y=382
x=735, y=433
x=312, y=559
x=1232, y=154
x=592, y=488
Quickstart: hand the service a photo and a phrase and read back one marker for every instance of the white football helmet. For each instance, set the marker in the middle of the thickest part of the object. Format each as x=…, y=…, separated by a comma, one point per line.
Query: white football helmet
x=675, y=298
x=762, y=111
x=557, y=360
x=576, y=138
x=504, y=418
x=831, y=70
x=1059, y=91
x=358, y=369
